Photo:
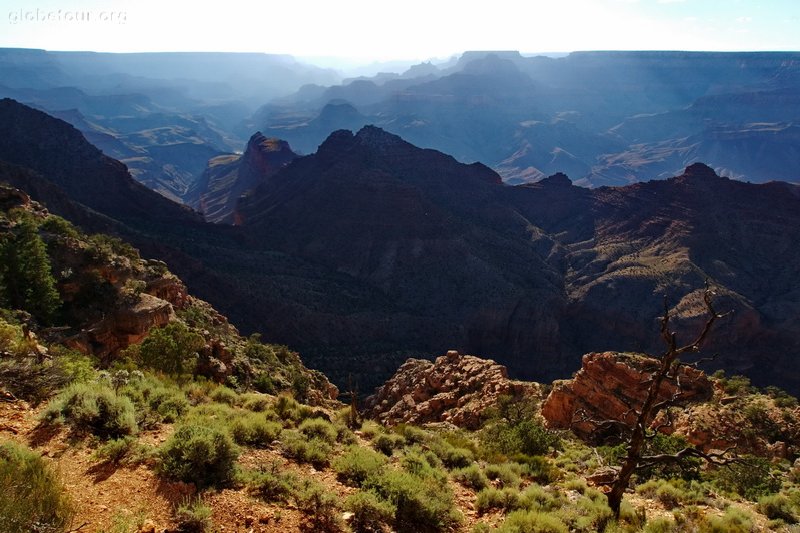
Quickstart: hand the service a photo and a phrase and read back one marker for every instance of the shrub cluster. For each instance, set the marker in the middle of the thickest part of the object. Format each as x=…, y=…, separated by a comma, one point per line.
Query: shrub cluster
x=93, y=408
x=31, y=496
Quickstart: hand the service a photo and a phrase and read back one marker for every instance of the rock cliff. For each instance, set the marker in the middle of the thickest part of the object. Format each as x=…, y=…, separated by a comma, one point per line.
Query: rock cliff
x=228, y=177
x=454, y=388
x=609, y=386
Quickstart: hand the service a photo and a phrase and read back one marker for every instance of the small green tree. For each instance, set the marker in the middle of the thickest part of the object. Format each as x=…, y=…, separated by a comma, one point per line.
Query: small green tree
x=26, y=280
x=171, y=349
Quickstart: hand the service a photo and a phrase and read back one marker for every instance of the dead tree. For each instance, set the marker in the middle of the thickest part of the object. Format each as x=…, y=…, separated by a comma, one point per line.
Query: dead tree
x=638, y=433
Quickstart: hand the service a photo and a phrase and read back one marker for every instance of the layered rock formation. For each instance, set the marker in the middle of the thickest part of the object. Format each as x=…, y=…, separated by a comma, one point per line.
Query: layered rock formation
x=611, y=386
x=228, y=177
x=454, y=388
x=373, y=250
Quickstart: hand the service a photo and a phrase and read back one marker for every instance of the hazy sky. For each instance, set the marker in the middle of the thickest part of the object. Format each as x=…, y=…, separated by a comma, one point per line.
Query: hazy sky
x=399, y=29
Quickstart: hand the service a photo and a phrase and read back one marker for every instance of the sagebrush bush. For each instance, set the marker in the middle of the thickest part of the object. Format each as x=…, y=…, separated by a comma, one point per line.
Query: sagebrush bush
x=358, y=464
x=93, y=408
x=258, y=403
x=507, y=473
x=421, y=504
x=471, y=477
x=777, y=507
x=155, y=401
x=452, y=456
x=537, y=498
x=223, y=394
x=735, y=520
x=423, y=463
x=538, y=468
x=387, y=443
x=671, y=493
x=491, y=498
x=200, y=454
x=305, y=450
x=271, y=485
x=194, y=516
x=370, y=429
x=659, y=524
x=317, y=428
x=526, y=436
x=125, y=450
x=530, y=521
x=253, y=429
x=31, y=495
x=320, y=506
x=371, y=514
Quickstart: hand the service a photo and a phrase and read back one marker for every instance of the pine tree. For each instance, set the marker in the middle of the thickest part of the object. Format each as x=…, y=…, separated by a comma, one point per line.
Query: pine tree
x=26, y=280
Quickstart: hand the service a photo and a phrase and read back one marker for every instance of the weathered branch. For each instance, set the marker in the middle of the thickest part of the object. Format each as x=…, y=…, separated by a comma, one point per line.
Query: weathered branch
x=713, y=317
x=715, y=458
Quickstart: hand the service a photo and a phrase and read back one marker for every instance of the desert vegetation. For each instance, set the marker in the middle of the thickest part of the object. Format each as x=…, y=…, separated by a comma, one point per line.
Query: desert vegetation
x=258, y=441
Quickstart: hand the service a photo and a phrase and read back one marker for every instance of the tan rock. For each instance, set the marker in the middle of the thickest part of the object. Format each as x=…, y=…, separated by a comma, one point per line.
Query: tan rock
x=611, y=386
x=454, y=388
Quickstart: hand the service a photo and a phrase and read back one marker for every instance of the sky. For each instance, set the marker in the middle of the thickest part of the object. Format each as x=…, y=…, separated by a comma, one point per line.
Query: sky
x=380, y=30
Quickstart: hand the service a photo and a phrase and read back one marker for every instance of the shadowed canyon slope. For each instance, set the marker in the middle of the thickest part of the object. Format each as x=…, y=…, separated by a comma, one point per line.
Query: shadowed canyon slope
x=372, y=250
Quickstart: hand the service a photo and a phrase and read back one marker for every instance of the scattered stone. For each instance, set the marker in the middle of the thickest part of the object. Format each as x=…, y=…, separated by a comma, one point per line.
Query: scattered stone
x=454, y=388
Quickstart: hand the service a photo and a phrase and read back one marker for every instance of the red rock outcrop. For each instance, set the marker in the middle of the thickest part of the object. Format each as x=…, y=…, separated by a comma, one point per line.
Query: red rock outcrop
x=454, y=388
x=608, y=386
x=127, y=325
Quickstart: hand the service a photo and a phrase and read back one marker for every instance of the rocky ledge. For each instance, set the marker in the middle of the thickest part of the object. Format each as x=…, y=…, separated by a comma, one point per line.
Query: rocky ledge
x=609, y=386
x=454, y=388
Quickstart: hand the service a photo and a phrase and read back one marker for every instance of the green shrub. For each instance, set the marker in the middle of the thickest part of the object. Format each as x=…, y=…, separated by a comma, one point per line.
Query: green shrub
x=305, y=450
x=423, y=463
x=31, y=495
x=590, y=513
x=194, y=516
x=507, y=473
x=526, y=437
x=413, y=434
x=751, y=478
x=671, y=493
x=532, y=521
x=370, y=513
x=254, y=429
x=126, y=450
x=171, y=349
x=471, y=477
x=169, y=403
x=93, y=408
x=271, y=485
x=451, y=456
x=490, y=498
x=777, y=507
x=387, y=443
x=358, y=464
x=258, y=403
x=420, y=504
x=370, y=429
x=316, y=428
x=735, y=520
x=320, y=506
x=659, y=525
x=199, y=454
x=538, y=468
x=223, y=394
x=537, y=498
